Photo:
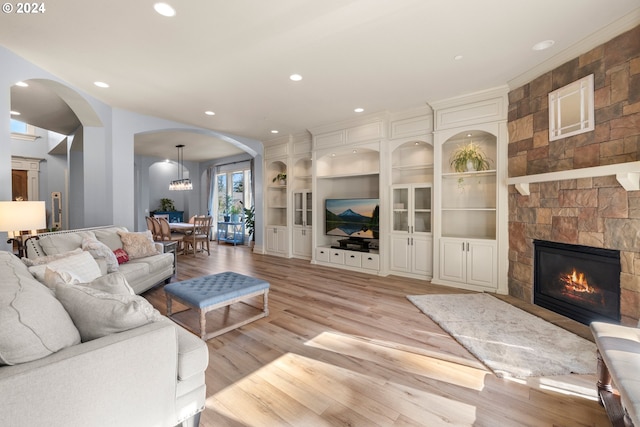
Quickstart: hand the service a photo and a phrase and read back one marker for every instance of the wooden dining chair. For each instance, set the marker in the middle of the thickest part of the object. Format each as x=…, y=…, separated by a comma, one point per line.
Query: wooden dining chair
x=153, y=227
x=167, y=235
x=200, y=235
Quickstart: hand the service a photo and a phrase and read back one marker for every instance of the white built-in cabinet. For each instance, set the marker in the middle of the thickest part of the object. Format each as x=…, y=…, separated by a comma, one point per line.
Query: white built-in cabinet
x=410, y=225
x=411, y=241
x=468, y=261
x=277, y=240
x=470, y=207
x=435, y=223
x=288, y=203
x=302, y=223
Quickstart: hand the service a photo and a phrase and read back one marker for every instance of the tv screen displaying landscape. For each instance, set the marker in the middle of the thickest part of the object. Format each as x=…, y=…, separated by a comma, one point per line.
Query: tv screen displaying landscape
x=352, y=218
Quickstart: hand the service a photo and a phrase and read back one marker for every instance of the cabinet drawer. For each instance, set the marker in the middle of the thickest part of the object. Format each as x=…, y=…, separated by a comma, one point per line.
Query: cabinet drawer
x=322, y=254
x=337, y=256
x=353, y=259
x=371, y=261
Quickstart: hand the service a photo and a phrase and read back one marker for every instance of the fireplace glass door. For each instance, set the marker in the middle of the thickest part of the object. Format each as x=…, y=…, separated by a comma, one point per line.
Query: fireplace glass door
x=580, y=282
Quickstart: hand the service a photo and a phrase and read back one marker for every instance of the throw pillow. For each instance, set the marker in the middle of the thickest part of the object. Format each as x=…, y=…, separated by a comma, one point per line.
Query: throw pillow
x=121, y=256
x=114, y=283
x=97, y=314
x=52, y=278
x=99, y=250
x=34, y=323
x=47, y=259
x=138, y=245
x=82, y=265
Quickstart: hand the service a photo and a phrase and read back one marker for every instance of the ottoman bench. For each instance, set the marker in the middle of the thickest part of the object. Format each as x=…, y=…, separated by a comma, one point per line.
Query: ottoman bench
x=208, y=293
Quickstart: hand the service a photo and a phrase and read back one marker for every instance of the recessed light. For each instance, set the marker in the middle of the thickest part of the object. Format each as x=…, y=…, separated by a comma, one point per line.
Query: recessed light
x=354, y=151
x=164, y=9
x=543, y=45
x=101, y=84
x=15, y=113
x=358, y=110
x=210, y=113
x=22, y=84
x=274, y=131
x=295, y=77
x=458, y=57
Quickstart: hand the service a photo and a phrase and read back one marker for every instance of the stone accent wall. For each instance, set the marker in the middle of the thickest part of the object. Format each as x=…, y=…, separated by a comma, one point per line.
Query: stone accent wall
x=591, y=211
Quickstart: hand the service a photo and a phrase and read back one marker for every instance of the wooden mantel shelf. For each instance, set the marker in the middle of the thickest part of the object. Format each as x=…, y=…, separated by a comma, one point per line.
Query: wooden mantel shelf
x=627, y=174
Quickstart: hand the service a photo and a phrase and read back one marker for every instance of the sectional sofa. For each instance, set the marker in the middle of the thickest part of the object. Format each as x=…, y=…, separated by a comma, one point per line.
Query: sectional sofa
x=93, y=353
x=142, y=272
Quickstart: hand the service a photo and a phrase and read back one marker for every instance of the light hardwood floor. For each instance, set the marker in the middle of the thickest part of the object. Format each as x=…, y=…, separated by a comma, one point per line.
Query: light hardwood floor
x=347, y=349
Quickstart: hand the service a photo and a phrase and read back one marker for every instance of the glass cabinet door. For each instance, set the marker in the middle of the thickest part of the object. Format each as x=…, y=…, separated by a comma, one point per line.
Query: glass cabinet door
x=422, y=209
x=401, y=209
x=308, y=209
x=298, y=206
x=302, y=211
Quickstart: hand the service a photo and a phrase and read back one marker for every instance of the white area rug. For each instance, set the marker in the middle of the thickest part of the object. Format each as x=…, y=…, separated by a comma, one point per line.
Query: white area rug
x=508, y=340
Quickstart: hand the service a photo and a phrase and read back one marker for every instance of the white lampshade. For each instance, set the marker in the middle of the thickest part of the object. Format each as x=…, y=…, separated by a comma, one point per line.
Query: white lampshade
x=20, y=216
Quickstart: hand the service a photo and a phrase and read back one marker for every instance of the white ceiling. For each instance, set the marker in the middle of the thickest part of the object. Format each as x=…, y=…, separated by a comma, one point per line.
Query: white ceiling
x=235, y=57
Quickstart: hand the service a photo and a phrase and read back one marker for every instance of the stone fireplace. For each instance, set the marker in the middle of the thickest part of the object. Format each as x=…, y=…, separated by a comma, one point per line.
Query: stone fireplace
x=587, y=210
x=579, y=282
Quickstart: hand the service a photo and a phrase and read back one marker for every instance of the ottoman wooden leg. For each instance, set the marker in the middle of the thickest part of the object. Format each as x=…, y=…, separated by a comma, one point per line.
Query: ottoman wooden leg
x=203, y=324
x=169, y=305
x=265, y=302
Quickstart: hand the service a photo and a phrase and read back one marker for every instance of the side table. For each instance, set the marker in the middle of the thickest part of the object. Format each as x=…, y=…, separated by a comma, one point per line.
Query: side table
x=231, y=232
x=172, y=247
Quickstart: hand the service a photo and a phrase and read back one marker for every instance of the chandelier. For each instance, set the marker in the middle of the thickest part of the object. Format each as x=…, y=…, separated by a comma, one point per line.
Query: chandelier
x=181, y=183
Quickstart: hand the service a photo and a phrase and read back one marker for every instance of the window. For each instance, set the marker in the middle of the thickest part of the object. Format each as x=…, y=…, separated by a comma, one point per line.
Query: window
x=21, y=130
x=571, y=109
x=233, y=187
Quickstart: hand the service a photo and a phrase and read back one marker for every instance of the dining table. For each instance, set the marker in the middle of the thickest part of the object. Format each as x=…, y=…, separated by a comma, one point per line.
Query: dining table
x=181, y=227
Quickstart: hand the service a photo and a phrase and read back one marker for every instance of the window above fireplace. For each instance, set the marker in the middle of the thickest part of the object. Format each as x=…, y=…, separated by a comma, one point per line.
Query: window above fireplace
x=571, y=109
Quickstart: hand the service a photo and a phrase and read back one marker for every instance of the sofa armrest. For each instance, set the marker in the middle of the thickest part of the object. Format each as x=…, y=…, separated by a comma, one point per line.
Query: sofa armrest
x=127, y=378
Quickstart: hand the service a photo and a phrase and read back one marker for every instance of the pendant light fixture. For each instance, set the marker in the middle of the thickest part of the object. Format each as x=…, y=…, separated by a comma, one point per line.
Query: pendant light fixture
x=181, y=183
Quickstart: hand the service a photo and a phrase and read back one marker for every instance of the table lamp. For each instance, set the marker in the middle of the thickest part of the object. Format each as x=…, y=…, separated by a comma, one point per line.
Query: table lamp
x=18, y=216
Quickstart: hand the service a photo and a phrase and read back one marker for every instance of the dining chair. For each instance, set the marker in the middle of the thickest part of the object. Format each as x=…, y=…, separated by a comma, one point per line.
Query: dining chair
x=167, y=235
x=153, y=227
x=200, y=235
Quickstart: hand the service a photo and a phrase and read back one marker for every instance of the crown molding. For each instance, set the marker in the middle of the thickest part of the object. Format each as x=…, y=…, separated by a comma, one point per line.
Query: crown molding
x=626, y=23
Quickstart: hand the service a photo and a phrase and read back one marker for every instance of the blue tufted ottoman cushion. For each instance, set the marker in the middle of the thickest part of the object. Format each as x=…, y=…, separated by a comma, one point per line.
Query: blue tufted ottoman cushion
x=206, y=291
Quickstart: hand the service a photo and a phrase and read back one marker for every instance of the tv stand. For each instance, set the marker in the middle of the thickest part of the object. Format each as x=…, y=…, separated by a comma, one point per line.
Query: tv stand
x=359, y=245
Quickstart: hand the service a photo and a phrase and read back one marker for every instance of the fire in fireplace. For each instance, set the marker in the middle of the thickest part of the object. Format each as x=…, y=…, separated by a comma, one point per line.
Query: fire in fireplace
x=580, y=282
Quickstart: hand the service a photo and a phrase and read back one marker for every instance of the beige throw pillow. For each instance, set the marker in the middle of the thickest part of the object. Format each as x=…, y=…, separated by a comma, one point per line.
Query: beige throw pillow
x=52, y=278
x=98, y=249
x=33, y=324
x=138, y=245
x=97, y=314
x=114, y=283
x=81, y=266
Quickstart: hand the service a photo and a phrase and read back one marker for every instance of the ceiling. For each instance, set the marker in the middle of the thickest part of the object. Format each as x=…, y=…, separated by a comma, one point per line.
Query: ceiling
x=235, y=57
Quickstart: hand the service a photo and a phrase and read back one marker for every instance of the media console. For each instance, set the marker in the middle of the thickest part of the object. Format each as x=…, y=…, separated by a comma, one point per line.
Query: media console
x=358, y=245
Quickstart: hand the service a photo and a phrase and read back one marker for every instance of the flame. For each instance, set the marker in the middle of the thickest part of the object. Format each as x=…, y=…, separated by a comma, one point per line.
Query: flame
x=576, y=282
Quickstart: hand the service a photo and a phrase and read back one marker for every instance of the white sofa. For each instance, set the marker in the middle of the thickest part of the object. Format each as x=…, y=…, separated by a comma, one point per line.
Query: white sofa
x=618, y=365
x=141, y=273
x=93, y=354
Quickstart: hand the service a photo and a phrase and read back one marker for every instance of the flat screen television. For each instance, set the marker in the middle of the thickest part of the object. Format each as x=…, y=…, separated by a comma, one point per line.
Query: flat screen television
x=353, y=218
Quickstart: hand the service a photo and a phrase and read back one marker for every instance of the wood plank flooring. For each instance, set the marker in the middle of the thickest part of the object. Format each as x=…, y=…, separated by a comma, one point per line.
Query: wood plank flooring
x=348, y=349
